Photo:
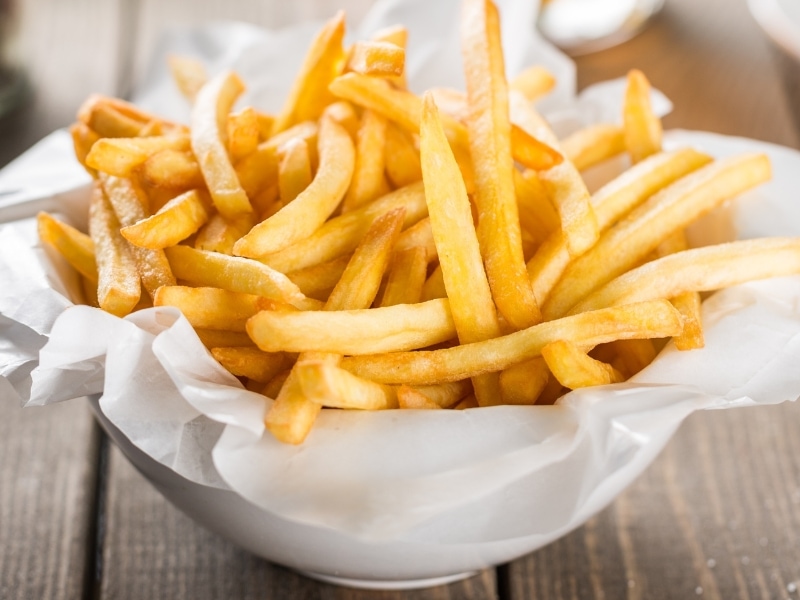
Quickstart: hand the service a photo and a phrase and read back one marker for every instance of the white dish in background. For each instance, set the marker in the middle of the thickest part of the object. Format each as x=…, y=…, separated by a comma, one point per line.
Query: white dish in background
x=780, y=19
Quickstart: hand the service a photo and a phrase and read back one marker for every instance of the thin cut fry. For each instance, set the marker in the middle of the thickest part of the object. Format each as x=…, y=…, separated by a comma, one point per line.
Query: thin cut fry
x=175, y=221
x=575, y=369
x=209, y=140
x=654, y=319
x=592, y=145
x=406, y=277
x=642, y=127
x=331, y=386
x=309, y=210
x=118, y=288
x=294, y=171
x=309, y=94
x=250, y=362
x=76, y=247
x=120, y=156
x=368, y=180
x=490, y=146
x=642, y=230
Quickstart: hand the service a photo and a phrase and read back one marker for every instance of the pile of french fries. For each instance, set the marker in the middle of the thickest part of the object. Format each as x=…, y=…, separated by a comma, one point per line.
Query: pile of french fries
x=369, y=248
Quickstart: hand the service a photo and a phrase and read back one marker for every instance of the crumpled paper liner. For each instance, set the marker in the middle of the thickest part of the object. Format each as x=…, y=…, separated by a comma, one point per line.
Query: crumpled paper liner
x=444, y=477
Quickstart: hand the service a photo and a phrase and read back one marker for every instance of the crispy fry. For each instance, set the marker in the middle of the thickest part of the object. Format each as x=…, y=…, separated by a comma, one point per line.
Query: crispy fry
x=319, y=280
x=700, y=270
x=654, y=319
x=118, y=288
x=171, y=169
x=76, y=247
x=237, y=274
x=250, y=362
x=175, y=221
x=490, y=147
x=397, y=35
x=522, y=383
x=328, y=385
x=214, y=308
x=645, y=227
x=379, y=59
x=219, y=234
x=340, y=235
x=189, y=75
x=128, y=202
x=592, y=145
x=406, y=277
x=575, y=369
x=294, y=170
x=533, y=82
x=401, y=158
x=120, y=156
x=303, y=216
x=465, y=280
x=309, y=94
x=368, y=180
x=610, y=203
x=209, y=139
x=642, y=127
x=354, y=332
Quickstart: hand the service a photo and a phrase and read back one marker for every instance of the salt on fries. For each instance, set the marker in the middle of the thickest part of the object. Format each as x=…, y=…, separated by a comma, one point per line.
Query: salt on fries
x=370, y=248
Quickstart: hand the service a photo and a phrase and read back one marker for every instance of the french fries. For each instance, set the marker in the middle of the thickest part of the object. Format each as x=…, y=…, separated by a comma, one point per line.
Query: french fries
x=365, y=248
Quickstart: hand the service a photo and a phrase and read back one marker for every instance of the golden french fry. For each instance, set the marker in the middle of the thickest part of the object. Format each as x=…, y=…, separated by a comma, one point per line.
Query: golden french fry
x=419, y=235
x=323, y=62
x=594, y=144
x=397, y=35
x=128, y=201
x=434, y=285
x=221, y=338
x=293, y=414
x=401, y=158
x=379, y=59
x=250, y=362
x=563, y=182
x=669, y=210
x=209, y=136
x=354, y=332
x=75, y=246
x=237, y=274
x=171, y=169
x=574, y=368
x=308, y=211
x=294, y=170
x=175, y=221
x=642, y=127
x=368, y=180
x=406, y=277
x=700, y=270
x=533, y=82
x=83, y=138
x=345, y=115
x=120, y=156
x=243, y=133
x=319, y=280
x=118, y=287
x=189, y=75
x=611, y=202
x=340, y=235
x=220, y=234
x=653, y=319
x=465, y=280
x=523, y=383
x=410, y=398
x=328, y=385
x=537, y=217
x=532, y=153
x=692, y=338
x=490, y=147
x=214, y=308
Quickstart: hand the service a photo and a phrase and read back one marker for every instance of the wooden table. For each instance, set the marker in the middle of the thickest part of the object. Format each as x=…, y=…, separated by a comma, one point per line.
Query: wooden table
x=716, y=516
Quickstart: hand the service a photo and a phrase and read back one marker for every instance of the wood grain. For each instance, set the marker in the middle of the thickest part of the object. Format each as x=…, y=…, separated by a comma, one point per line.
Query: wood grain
x=46, y=498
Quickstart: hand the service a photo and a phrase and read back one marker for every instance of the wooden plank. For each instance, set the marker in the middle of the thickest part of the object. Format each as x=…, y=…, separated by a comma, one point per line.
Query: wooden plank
x=152, y=550
x=67, y=50
x=47, y=483
x=716, y=516
x=711, y=59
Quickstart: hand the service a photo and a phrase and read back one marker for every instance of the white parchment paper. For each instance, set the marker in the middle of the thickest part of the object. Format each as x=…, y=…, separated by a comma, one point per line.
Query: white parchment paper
x=449, y=477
